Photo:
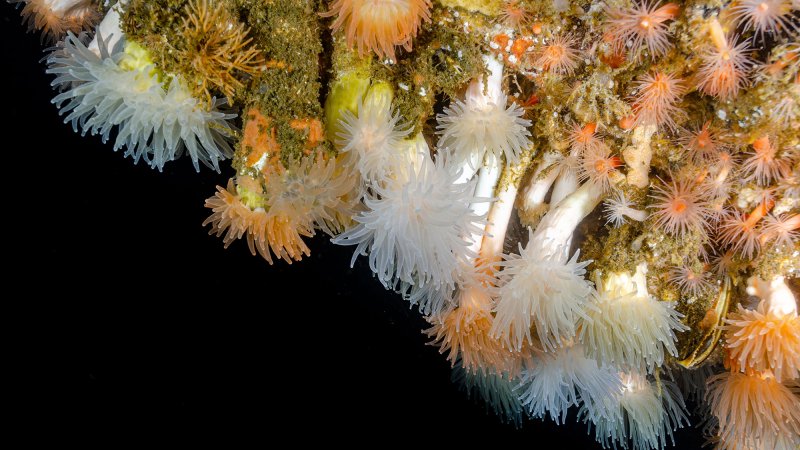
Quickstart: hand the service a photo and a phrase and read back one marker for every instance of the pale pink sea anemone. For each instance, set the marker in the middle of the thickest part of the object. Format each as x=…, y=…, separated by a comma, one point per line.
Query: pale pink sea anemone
x=765, y=16
x=644, y=25
x=679, y=207
x=725, y=68
x=558, y=55
x=655, y=102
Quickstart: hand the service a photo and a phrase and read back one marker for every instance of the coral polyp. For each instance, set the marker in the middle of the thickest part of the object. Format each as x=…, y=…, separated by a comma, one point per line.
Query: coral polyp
x=464, y=148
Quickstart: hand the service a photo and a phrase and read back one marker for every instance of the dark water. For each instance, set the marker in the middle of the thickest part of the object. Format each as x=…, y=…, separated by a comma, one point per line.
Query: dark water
x=136, y=320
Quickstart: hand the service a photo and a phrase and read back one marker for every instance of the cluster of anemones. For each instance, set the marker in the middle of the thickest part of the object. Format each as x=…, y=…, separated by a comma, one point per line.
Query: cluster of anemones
x=538, y=330
x=756, y=403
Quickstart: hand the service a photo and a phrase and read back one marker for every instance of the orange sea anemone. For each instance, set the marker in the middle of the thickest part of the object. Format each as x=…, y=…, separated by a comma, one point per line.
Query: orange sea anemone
x=379, y=25
x=54, y=18
x=464, y=333
x=754, y=411
x=514, y=15
x=558, y=55
x=267, y=233
x=762, y=340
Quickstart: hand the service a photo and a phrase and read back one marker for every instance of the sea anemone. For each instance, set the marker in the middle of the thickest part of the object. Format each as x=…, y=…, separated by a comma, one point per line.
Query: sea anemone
x=558, y=55
x=679, y=207
x=741, y=233
x=702, y=144
x=690, y=281
x=598, y=166
x=54, y=18
x=584, y=137
x=371, y=138
x=764, y=165
x=543, y=286
x=514, y=15
x=618, y=207
x=496, y=390
x=310, y=193
x=416, y=229
x=552, y=382
x=656, y=99
x=725, y=65
x=480, y=125
x=379, y=25
x=761, y=340
x=463, y=332
x=233, y=217
x=276, y=219
x=647, y=413
x=754, y=411
x=765, y=16
x=644, y=25
x=627, y=326
x=154, y=121
x=539, y=289
x=784, y=229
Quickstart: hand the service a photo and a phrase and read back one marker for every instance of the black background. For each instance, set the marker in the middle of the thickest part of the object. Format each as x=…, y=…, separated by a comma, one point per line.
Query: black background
x=140, y=321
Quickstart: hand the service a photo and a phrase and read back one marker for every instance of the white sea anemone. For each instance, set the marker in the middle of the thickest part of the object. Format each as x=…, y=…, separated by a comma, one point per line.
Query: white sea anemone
x=483, y=124
x=311, y=189
x=618, y=207
x=417, y=230
x=155, y=119
x=538, y=289
x=371, y=138
x=627, y=326
x=543, y=287
x=647, y=413
x=553, y=382
x=496, y=390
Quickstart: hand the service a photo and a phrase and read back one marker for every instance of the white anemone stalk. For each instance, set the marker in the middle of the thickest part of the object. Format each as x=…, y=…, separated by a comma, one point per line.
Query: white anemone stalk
x=539, y=185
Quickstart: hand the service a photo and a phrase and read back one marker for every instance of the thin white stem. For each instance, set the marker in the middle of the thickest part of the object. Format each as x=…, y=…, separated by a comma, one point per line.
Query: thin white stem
x=566, y=184
x=635, y=214
x=500, y=215
x=539, y=186
x=484, y=188
x=498, y=219
x=554, y=232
